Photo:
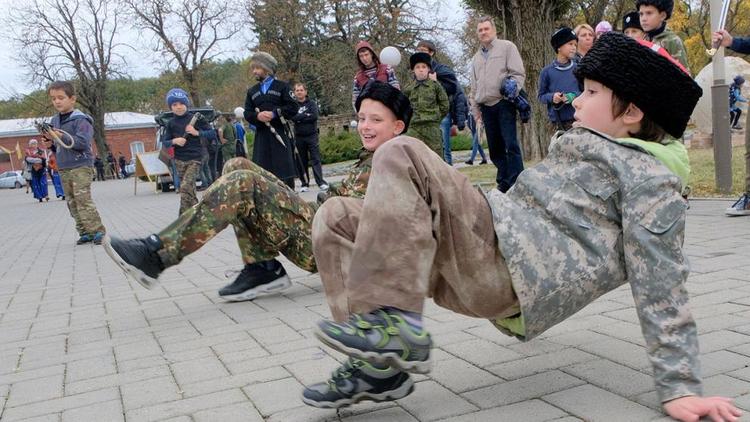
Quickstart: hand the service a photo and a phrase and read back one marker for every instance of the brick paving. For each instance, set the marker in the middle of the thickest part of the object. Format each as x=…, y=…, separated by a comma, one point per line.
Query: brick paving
x=78, y=342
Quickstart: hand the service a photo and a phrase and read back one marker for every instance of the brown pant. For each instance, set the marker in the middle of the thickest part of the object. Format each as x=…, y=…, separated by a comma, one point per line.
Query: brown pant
x=422, y=230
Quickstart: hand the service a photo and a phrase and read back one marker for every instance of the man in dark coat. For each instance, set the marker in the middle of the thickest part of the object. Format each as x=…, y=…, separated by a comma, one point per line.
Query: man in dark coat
x=267, y=104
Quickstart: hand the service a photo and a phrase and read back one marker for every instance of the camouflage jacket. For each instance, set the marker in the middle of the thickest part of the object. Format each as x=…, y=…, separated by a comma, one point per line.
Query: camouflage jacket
x=429, y=101
x=355, y=183
x=593, y=215
x=673, y=44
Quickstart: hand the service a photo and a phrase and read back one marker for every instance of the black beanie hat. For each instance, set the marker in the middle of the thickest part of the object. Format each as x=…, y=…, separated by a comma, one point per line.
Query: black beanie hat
x=562, y=36
x=631, y=20
x=660, y=5
x=420, y=57
x=644, y=74
x=390, y=97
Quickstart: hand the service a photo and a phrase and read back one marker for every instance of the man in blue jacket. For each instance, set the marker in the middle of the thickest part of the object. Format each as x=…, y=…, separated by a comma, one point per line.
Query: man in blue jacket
x=456, y=98
x=742, y=46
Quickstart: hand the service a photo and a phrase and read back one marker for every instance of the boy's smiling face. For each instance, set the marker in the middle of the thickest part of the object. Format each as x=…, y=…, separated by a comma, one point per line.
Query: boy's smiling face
x=594, y=110
x=61, y=102
x=377, y=124
x=651, y=17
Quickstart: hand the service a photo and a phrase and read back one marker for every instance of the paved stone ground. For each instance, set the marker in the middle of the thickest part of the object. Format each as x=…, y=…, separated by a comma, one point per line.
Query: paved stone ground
x=78, y=342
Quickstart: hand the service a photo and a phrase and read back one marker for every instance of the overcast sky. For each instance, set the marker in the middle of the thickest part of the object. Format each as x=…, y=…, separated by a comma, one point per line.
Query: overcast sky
x=141, y=62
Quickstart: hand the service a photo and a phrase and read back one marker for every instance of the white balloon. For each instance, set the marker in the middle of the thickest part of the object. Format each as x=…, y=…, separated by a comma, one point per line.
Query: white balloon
x=390, y=56
x=353, y=124
x=239, y=112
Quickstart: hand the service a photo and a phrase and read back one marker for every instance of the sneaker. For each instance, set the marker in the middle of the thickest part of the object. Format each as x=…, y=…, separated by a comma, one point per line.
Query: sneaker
x=85, y=238
x=137, y=257
x=255, y=280
x=97, y=238
x=737, y=127
x=324, y=186
x=381, y=337
x=483, y=162
x=355, y=381
x=741, y=207
x=469, y=162
x=304, y=189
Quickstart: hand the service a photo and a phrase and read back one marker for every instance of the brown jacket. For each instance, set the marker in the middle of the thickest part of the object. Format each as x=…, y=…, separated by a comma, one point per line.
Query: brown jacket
x=487, y=74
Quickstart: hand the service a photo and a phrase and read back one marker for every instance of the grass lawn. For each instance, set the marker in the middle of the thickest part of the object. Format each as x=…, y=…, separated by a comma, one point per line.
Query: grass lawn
x=702, y=178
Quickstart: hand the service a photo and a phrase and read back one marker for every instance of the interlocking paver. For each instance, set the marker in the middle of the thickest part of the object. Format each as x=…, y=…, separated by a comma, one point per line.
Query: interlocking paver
x=80, y=342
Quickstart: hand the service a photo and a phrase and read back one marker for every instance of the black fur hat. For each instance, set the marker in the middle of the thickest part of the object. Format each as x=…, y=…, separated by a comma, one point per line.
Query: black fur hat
x=660, y=5
x=631, y=20
x=562, y=36
x=643, y=74
x=420, y=57
x=390, y=97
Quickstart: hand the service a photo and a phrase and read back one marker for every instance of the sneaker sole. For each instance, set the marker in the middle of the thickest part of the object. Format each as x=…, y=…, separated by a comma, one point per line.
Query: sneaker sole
x=281, y=283
x=388, y=358
x=132, y=272
x=402, y=391
x=734, y=213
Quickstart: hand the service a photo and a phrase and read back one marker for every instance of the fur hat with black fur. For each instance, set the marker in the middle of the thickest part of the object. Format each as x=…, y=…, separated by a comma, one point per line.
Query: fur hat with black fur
x=660, y=5
x=562, y=36
x=420, y=57
x=644, y=74
x=631, y=20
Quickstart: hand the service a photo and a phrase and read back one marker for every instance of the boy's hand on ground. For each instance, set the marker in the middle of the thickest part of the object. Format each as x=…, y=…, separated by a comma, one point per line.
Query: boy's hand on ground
x=692, y=408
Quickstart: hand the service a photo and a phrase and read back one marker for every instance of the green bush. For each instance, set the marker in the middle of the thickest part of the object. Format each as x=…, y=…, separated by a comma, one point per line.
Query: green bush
x=461, y=142
x=342, y=147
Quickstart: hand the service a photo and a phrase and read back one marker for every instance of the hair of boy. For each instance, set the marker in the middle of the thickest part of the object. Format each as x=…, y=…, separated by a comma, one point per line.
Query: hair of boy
x=390, y=97
x=420, y=57
x=302, y=84
x=265, y=61
x=64, y=86
x=660, y=5
x=429, y=45
x=631, y=20
x=561, y=37
x=486, y=18
x=177, y=95
x=644, y=74
x=365, y=44
x=578, y=28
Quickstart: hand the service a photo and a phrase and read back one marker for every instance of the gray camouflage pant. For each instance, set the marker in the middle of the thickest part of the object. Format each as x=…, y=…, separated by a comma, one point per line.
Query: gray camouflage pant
x=434, y=238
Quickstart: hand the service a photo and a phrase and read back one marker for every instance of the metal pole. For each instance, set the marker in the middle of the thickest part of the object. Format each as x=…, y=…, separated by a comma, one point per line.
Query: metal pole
x=722, y=137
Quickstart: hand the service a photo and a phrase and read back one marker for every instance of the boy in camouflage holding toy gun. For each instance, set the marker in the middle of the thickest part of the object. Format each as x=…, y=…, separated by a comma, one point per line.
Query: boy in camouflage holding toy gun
x=604, y=208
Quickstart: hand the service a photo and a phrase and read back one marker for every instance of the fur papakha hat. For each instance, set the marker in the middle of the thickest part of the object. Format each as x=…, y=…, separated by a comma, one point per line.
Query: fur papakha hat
x=660, y=5
x=420, y=57
x=266, y=61
x=562, y=36
x=644, y=74
x=631, y=20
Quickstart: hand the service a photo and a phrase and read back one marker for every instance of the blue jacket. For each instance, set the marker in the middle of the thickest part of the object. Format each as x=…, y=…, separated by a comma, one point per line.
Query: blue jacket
x=741, y=45
x=553, y=79
x=80, y=126
x=456, y=97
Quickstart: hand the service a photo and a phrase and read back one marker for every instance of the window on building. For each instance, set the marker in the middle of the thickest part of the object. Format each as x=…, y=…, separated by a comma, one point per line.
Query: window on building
x=136, y=147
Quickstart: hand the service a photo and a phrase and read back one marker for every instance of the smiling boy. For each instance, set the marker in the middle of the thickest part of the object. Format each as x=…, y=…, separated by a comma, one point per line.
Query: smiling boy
x=604, y=208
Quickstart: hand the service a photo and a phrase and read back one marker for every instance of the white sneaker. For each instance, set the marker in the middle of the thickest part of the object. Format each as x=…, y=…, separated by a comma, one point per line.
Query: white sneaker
x=323, y=186
x=304, y=189
x=741, y=207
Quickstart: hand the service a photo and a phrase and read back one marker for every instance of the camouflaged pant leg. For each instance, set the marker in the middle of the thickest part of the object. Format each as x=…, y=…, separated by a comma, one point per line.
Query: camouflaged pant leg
x=434, y=238
x=430, y=134
x=187, y=172
x=273, y=217
x=77, y=186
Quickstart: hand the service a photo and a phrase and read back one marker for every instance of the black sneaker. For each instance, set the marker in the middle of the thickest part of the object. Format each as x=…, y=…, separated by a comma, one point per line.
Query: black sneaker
x=381, y=337
x=255, y=280
x=355, y=381
x=137, y=257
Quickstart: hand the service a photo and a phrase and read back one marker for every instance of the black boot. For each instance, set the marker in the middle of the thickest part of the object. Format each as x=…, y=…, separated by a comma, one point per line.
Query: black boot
x=258, y=279
x=137, y=257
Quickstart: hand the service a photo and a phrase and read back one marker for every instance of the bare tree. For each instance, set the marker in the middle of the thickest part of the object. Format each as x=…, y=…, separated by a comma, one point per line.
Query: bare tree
x=188, y=33
x=71, y=39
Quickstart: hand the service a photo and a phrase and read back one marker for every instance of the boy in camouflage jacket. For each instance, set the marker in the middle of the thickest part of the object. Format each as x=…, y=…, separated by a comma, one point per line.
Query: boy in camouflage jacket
x=604, y=208
x=654, y=15
x=267, y=216
x=429, y=101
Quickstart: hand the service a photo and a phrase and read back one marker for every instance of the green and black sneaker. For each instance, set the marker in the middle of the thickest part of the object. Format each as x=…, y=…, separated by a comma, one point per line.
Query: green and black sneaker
x=355, y=381
x=381, y=337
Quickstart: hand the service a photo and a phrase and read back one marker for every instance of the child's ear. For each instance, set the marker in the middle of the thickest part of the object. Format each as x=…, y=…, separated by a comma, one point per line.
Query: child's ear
x=399, y=129
x=632, y=115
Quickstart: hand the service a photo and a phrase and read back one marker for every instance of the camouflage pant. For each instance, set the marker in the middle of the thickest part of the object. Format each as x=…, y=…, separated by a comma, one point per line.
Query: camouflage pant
x=268, y=218
x=187, y=171
x=77, y=186
x=430, y=134
x=434, y=238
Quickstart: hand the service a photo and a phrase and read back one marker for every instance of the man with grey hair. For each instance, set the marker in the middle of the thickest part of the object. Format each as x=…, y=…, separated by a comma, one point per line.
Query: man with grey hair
x=496, y=61
x=266, y=104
